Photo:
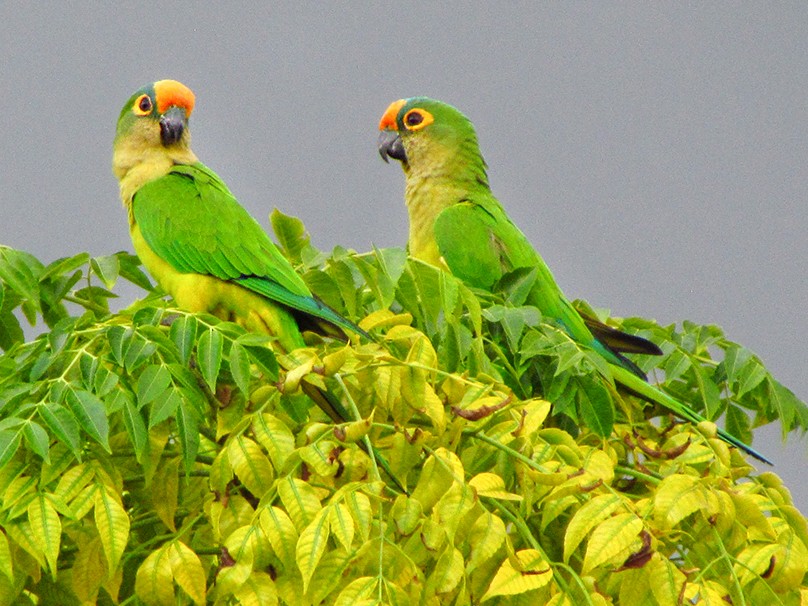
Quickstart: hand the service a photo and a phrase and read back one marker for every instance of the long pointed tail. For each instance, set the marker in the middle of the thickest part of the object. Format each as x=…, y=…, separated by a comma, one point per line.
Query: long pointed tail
x=652, y=394
x=337, y=413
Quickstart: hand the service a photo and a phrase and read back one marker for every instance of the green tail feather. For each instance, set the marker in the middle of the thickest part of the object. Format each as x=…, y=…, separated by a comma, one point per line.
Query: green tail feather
x=652, y=394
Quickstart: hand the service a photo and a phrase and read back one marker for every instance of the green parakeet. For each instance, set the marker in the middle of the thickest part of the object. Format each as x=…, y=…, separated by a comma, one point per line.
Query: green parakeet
x=457, y=223
x=197, y=241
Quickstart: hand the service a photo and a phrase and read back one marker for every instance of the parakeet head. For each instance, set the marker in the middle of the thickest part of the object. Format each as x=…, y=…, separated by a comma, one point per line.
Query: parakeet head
x=157, y=114
x=428, y=135
x=152, y=135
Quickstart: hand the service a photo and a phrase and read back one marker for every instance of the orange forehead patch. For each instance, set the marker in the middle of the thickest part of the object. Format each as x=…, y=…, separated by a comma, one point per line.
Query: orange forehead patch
x=389, y=118
x=171, y=92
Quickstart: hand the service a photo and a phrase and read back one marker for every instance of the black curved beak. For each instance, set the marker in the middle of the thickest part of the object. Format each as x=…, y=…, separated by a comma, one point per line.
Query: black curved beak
x=390, y=146
x=172, y=125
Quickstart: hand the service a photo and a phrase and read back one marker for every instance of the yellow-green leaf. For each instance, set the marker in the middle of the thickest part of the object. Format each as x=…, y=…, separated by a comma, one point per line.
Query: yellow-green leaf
x=89, y=570
x=154, y=583
x=486, y=536
x=492, y=485
x=440, y=471
x=448, y=571
x=318, y=457
x=525, y=571
x=311, y=545
x=356, y=591
x=453, y=506
x=73, y=481
x=586, y=518
x=612, y=539
x=275, y=437
x=341, y=524
x=331, y=572
x=187, y=571
x=754, y=561
x=749, y=512
x=112, y=523
x=6, y=566
x=258, y=590
x=677, y=496
x=407, y=514
x=358, y=504
x=47, y=528
x=281, y=532
x=164, y=491
x=300, y=500
x=249, y=542
x=665, y=579
x=22, y=535
x=251, y=465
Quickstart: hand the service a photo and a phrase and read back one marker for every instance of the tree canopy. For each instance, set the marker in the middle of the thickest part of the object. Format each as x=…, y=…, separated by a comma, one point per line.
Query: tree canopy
x=152, y=456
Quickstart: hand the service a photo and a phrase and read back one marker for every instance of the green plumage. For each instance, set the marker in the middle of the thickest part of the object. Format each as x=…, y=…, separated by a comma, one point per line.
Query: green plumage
x=456, y=222
x=200, y=244
x=191, y=220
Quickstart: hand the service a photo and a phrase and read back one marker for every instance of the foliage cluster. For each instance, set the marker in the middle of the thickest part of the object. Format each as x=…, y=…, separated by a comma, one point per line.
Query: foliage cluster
x=158, y=457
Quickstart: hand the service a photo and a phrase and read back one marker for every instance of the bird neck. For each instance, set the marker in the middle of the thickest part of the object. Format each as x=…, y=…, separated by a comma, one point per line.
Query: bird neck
x=442, y=180
x=135, y=164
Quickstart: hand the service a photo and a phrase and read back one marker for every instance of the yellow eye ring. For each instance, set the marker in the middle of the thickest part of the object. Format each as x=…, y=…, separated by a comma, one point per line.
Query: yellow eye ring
x=417, y=118
x=143, y=105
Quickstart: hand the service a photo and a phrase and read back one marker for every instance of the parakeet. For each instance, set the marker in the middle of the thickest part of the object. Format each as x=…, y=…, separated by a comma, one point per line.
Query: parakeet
x=197, y=241
x=455, y=222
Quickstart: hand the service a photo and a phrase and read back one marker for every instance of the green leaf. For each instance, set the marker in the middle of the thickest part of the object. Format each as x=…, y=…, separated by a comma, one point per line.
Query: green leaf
x=239, y=361
x=129, y=266
x=594, y=404
x=136, y=429
x=106, y=268
x=164, y=406
x=138, y=352
x=21, y=271
x=152, y=382
x=65, y=265
x=37, y=439
x=265, y=359
x=10, y=329
x=209, y=356
x=188, y=430
x=63, y=425
x=9, y=443
x=183, y=333
x=91, y=414
x=291, y=234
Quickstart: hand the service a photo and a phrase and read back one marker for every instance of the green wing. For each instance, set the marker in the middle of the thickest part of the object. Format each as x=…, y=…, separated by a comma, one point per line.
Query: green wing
x=479, y=244
x=192, y=221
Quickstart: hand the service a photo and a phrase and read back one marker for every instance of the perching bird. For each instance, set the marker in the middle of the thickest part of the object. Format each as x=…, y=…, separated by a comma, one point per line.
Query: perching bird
x=197, y=241
x=457, y=223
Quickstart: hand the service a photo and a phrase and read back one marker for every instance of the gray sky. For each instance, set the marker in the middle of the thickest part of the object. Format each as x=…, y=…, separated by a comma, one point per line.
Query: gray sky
x=655, y=154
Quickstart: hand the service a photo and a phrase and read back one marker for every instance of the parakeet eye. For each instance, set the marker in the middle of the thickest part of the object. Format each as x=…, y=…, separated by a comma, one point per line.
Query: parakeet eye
x=413, y=119
x=143, y=105
x=417, y=118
